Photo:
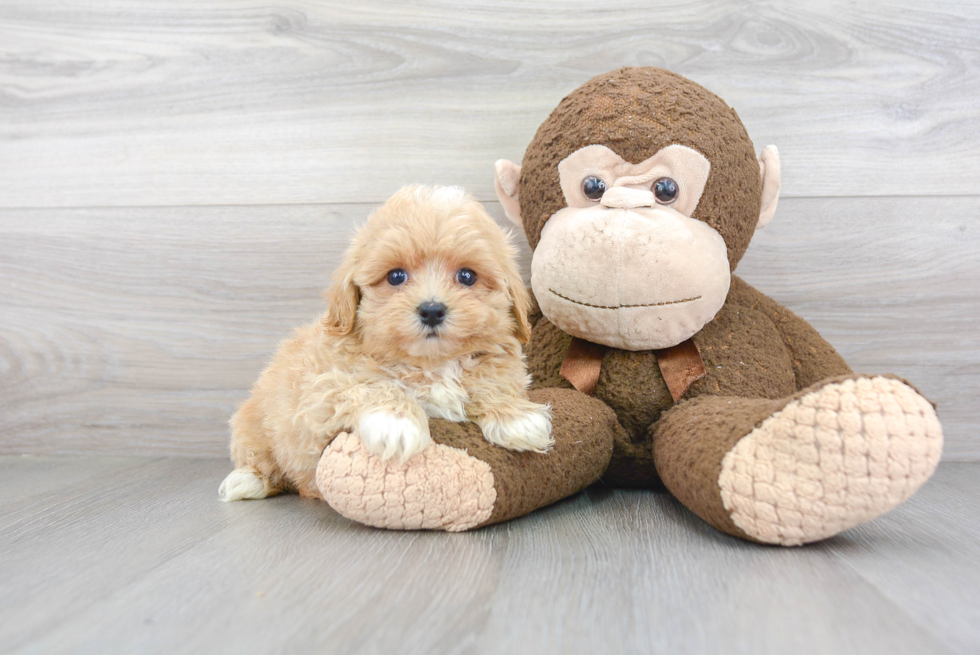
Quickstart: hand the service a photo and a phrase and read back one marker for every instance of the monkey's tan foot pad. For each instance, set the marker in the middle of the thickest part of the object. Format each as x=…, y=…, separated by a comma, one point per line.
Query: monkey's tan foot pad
x=441, y=488
x=830, y=460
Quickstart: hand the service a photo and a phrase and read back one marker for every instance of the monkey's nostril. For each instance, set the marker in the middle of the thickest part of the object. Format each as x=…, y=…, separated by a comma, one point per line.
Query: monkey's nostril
x=432, y=313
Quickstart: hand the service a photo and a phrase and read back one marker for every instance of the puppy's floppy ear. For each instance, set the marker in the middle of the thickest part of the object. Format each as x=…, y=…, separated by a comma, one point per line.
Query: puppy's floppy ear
x=521, y=308
x=342, y=299
x=520, y=303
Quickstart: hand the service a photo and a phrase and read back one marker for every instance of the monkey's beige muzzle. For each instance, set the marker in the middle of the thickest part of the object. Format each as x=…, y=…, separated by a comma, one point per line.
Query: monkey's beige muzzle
x=633, y=278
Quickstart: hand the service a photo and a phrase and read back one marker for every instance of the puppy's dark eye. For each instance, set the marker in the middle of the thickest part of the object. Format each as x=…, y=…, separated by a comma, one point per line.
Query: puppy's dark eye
x=397, y=276
x=466, y=277
x=665, y=190
x=593, y=188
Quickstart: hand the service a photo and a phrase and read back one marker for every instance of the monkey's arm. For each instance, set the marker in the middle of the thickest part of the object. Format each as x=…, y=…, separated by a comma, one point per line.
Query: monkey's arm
x=463, y=481
x=813, y=358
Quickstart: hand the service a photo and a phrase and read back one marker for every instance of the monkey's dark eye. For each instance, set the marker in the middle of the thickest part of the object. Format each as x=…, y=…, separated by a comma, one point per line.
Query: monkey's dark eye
x=593, y=188
x=665, y=190
x=466, y=277
x=397, y=276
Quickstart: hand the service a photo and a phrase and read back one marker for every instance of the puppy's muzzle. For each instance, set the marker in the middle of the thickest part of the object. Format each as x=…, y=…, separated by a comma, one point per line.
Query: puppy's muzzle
x=432, y=314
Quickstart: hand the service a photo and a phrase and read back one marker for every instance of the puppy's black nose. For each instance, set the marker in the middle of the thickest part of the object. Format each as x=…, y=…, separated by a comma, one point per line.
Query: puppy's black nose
x=432, y=313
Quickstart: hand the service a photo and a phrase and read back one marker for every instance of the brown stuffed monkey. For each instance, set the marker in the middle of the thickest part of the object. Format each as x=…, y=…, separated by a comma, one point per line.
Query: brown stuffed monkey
x=639, y=195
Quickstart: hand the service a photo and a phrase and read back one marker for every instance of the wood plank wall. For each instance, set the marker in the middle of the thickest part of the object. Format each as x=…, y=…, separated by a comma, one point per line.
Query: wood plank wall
x=178, y=179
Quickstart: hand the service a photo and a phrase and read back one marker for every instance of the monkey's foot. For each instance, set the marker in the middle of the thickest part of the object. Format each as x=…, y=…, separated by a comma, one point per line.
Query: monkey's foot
x=831, y=459
x=441, y=488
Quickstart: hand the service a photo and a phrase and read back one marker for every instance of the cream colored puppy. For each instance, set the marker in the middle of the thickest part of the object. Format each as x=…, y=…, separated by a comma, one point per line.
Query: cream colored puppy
x=425, y=318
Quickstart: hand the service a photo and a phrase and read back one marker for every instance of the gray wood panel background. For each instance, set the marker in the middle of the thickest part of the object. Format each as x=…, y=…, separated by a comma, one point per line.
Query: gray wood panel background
x=119, y=102
x=178, y=179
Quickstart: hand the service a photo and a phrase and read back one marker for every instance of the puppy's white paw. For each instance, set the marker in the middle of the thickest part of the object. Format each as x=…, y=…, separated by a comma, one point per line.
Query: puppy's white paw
x=390, y=436
x=527, y=431
x=243, y=484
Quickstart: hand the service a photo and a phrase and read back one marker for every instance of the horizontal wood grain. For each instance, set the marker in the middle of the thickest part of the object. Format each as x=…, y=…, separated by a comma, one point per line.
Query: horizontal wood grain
x=125, y=103
x=138, y=555
x=138, y=331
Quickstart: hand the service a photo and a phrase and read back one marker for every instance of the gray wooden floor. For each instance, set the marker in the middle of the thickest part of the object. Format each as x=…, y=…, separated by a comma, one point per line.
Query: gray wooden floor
x=127, y=555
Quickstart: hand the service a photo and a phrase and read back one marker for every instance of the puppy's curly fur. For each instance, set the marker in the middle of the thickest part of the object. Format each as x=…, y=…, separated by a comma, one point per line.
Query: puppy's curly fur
x=374, y=367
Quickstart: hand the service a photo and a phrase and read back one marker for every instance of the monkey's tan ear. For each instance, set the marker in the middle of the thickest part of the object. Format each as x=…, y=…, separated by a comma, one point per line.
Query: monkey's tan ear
x=507, y=177
x=342, y=299
x=771, y=172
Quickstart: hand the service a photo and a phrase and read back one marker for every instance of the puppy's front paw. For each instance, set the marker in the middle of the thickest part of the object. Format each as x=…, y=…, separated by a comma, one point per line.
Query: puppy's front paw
x=529, y=430
x=390, y=436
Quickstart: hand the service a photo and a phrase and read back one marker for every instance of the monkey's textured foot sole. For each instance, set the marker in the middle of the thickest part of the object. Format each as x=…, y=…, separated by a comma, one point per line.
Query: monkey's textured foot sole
x=830, y=460
x=441, y=488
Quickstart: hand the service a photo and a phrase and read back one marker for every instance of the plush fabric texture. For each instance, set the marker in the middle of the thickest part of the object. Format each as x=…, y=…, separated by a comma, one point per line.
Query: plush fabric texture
x=690, y=442
x=743, y=350
x=582, y=365
x=680, y=367
x=744, y=354
x=636, y=279
x=636, y=112
x=812, y=358
x=685, y=166
x=463, y=481
x=830, y=460
x=584, y=431
x=441, y=488
x=770, y=169
x=505, y=181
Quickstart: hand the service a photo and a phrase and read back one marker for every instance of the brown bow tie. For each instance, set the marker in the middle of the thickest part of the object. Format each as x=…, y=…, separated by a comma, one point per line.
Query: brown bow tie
x=680, y=366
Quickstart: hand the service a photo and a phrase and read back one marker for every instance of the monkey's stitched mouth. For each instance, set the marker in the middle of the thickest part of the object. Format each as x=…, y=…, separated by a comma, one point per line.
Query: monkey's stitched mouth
x=652, y=304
